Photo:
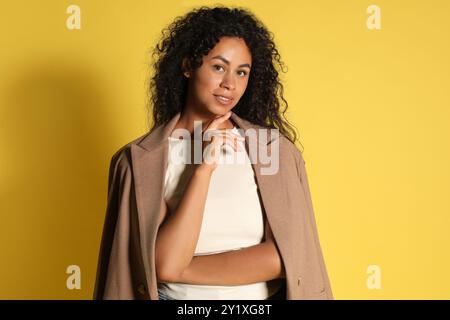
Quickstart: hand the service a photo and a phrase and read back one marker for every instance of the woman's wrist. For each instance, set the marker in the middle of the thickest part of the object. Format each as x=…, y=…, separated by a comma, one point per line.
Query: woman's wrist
x=204, y=169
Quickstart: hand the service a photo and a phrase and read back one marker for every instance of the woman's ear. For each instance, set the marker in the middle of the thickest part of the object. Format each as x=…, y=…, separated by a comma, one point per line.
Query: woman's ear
x=185, y=67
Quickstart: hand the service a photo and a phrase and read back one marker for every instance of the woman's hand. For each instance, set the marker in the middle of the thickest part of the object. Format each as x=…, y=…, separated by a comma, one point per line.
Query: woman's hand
x=215, y=140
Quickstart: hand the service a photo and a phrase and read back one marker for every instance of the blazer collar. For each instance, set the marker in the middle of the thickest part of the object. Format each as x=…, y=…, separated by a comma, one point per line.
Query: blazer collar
x=160, y=134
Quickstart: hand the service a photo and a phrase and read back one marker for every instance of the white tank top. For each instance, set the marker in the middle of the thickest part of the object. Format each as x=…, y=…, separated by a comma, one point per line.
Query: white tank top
x=232, y=219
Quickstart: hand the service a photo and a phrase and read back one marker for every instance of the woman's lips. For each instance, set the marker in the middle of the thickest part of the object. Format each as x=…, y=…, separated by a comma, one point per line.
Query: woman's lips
x=222, y=100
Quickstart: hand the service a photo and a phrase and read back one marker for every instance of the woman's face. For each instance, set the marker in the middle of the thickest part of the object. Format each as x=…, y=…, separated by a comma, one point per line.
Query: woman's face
x=223, y=74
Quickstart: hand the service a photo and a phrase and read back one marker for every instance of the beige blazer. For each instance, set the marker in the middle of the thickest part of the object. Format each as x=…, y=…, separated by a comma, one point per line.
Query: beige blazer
x=126, y=265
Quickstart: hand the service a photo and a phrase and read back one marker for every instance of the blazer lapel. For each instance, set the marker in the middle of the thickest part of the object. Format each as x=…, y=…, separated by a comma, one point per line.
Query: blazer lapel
x=149, y=159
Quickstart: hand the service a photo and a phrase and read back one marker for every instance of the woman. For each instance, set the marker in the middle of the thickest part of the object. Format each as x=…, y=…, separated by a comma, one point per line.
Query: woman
x=211, y=229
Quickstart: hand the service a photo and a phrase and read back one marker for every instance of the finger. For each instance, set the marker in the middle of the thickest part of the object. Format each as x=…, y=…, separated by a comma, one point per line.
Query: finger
x=227, y=136
x=214, y=124
x=212, y=132
x=234, y=134
x=222, y=139
x=233, y=142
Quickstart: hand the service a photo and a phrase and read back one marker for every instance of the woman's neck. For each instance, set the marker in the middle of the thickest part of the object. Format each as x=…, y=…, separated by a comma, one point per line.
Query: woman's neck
x=187, y=119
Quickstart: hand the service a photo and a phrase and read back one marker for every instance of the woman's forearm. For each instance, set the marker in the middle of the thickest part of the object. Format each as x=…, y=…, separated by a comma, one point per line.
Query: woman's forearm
x=178, y=235
x=257, y=263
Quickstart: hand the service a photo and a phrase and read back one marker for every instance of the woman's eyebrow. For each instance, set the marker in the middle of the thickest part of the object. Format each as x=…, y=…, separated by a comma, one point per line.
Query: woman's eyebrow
x=228, y=62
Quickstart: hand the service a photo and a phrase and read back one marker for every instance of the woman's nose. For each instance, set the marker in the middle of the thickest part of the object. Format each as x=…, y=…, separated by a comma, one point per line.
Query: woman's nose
x=228, y=82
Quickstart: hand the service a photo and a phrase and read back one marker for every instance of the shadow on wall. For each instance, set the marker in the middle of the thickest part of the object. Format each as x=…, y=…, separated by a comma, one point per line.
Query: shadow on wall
x=56, y=143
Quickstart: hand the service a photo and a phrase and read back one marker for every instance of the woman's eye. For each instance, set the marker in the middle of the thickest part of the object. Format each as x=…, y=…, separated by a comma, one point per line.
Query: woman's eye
x=240, y=72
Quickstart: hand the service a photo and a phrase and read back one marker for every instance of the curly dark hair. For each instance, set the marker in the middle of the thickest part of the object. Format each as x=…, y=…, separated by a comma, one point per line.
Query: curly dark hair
x=192, y=36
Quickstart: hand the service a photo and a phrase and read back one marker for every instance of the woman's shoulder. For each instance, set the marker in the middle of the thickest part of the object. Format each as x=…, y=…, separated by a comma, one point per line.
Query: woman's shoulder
x=290, y=148
x=122, y=156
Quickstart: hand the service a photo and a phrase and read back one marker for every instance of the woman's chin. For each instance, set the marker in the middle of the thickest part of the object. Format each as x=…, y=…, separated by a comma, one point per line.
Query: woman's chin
x=218, y=110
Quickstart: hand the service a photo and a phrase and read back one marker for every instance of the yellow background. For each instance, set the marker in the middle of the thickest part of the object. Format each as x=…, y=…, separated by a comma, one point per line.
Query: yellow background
x=371, y=106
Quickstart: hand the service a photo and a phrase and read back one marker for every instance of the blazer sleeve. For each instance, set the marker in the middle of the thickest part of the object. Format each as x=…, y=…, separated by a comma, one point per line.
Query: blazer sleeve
x=113, y=278
x=301, y=171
